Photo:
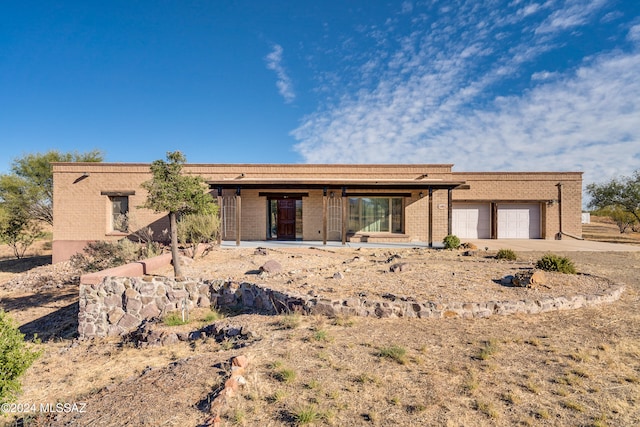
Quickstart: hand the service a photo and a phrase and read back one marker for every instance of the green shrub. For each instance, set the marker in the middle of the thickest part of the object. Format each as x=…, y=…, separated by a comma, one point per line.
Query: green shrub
x=174, y=319
x=101, y=255
x=507, y=254
x=15, y=358
x=451, y=242
x=552, y=262
x=212, y=315
x=394, y=352
x=195, y=229
x=285, y=375
x=306, y=415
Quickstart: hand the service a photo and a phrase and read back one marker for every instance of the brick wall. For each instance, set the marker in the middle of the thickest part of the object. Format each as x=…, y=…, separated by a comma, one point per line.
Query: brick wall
x=540, y=187
x=82, y=212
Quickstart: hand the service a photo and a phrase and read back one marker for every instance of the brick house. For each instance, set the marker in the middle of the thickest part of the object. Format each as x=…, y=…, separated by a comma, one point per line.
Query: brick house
x=347, y=203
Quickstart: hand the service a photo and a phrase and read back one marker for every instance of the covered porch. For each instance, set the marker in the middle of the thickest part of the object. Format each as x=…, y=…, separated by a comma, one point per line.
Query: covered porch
x=383, y=211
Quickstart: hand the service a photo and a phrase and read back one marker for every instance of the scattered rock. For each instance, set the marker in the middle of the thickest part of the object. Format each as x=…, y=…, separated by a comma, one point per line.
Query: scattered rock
x=271, y=267
x=507, y=280
x=338, y=275
x=241, y=361
x=169, y=339
x=400, y=267
x=45, y=277
x=261, y=251
x=528, y=279
x=151, y=334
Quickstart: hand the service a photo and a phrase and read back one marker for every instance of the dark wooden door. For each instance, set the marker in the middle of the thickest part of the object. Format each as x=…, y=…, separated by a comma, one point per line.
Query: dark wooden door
x=286, y=219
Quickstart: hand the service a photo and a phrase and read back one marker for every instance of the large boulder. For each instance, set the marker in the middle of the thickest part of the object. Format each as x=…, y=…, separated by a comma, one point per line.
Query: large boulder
x=528, y=279
x=271, y=267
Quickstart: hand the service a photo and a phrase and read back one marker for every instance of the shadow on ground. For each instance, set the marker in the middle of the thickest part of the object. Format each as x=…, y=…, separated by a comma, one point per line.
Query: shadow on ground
x=23, y=264
x=40, y=299
x=61, y=324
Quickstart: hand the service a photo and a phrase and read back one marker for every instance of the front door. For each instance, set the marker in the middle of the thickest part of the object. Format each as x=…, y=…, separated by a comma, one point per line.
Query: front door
x=286, y=218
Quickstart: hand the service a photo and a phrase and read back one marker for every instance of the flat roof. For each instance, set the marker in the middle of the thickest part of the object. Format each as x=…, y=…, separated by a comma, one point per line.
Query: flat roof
x=314, y=183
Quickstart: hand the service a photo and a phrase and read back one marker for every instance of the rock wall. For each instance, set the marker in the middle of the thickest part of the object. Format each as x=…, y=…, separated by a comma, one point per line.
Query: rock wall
x=263, y=299
x=119, y=305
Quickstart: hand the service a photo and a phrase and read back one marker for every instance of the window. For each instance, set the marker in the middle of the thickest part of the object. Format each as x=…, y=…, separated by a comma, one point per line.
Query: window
x=375, y=214
x=119, y=213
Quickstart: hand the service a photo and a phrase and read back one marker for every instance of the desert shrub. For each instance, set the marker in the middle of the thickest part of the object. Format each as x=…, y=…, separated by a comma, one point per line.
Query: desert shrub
x=18, y=230
x=394, y=352
x=307, y=415
x=15, y=358
x=552, y=262
x=195, y=229
x=623, y=219
x=101, y=255
x=507, y=254
x=451, y=242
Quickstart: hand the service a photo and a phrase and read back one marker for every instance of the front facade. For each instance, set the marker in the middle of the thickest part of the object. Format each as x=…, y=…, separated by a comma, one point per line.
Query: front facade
x=356, y=203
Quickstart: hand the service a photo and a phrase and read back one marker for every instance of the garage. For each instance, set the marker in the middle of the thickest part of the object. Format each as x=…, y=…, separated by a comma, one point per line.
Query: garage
x=519, y=221
x=471, y=220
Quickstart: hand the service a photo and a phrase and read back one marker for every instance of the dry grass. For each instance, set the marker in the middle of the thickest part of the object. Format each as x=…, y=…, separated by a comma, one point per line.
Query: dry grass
x=564, y=368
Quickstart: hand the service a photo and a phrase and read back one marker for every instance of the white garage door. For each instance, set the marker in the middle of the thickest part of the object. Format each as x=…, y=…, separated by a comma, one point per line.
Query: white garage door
x=519, y=221
x=471, y=221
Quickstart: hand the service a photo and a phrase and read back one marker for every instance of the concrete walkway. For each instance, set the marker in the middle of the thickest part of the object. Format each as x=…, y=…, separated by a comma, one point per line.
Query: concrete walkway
x=564, y=245
x=519, y=245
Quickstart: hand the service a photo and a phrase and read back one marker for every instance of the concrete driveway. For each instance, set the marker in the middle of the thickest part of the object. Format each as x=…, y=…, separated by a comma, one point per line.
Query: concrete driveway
x=564, y=245
x=519, y=245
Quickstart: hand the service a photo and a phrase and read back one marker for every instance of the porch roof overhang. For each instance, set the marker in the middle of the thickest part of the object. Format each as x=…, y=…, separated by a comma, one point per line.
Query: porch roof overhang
x=353, y=184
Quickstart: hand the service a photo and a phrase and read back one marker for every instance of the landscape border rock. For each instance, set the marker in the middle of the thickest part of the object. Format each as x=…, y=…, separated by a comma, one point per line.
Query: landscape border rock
x=119, y=305
x=239, y=366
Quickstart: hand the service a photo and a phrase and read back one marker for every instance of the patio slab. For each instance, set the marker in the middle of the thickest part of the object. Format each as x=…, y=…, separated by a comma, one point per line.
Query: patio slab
x=522, y=245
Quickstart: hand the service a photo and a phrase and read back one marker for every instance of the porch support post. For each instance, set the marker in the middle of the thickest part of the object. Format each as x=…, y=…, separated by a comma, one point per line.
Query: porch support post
x=494, y=220
x=324, y=216
x=430, y=213
x=449, y=210
x=238, y=215
x=344, y=215
x=219, y=199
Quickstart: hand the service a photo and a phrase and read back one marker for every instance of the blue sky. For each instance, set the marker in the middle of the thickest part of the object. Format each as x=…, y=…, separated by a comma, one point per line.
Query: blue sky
x=485, y=85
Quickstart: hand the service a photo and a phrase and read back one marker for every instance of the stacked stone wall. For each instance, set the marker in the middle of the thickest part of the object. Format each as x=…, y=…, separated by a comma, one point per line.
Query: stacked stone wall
x=119, y=305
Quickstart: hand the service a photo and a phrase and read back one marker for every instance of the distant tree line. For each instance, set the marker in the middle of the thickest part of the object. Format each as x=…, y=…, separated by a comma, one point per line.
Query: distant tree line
x=26, y=196
x=618, y=199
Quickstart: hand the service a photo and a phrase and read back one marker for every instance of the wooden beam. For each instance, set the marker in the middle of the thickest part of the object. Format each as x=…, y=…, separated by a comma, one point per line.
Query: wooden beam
x=238, y=215
x=494, y=220
x=345, y=204
x=219, y=199
x=430, y=213
x=324, y=216
x=275, y=195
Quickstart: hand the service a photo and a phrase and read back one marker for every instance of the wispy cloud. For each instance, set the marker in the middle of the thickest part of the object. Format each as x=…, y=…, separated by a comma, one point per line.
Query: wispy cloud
x=441, y=93
x=573, y=14
x=284, y=85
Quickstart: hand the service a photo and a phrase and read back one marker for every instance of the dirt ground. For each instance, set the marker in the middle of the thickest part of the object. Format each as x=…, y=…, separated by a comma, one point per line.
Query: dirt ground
x=579, y=367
